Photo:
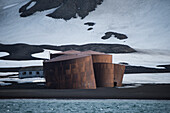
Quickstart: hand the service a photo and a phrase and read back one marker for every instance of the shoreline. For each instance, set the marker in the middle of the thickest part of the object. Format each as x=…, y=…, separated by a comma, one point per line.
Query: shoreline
x=146, y=92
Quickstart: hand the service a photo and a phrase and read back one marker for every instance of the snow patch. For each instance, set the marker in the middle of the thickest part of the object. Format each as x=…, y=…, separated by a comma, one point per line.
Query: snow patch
x=7, y=63
x=26, y=80
x=147, y=58
x=8, y=73
x=2, y=54
x=147, y=78
x=31, y=5
x=4, y=84
x=130, y=86
x=9, y=6
x=45, y=54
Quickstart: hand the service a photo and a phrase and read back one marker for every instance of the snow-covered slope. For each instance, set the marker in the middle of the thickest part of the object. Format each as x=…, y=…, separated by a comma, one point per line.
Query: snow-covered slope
x=145, y=22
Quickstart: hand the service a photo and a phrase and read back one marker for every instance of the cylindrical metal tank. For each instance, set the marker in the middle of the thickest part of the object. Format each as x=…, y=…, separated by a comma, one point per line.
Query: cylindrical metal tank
x=70, y=72
x=91, y=52
x=104, y=74
x=101, y=58
x=64, y=53
x=118, y=74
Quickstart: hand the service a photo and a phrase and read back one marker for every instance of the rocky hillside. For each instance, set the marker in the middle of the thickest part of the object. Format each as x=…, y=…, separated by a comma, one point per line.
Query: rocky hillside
x=64, y=9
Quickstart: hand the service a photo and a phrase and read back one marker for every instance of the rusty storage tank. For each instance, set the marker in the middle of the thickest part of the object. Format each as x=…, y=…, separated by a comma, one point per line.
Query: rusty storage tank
x=99, y=57
x=70, y=72
x=104, y=74
x=118, y=74
x=64, y=53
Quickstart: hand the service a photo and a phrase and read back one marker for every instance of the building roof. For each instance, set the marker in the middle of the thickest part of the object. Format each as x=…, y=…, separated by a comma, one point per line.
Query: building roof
x=67, y=57
x=32, y=68
x=90, y=52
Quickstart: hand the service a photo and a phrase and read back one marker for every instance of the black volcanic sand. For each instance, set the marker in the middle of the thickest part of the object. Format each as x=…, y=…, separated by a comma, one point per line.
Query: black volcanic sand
x=66, y=10
x=147, y=91
x=117, y=35
x=24, y=51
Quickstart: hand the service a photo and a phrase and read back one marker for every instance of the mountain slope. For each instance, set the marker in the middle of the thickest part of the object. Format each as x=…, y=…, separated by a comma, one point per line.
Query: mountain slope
x=146, y=23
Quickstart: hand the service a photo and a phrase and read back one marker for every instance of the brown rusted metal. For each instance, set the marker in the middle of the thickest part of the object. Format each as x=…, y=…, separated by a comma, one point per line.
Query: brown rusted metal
x=64, y=53
x=90, y=52
x=98, y=57
x=118, y=74
x=104, y=74
x=70, y=72
x=102, y=58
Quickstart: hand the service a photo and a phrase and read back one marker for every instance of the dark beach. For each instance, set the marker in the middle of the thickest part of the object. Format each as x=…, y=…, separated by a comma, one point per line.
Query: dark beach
x=28, y=91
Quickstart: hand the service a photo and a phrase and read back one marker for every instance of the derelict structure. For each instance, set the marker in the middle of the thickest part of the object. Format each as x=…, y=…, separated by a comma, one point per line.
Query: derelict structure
x=82, y=70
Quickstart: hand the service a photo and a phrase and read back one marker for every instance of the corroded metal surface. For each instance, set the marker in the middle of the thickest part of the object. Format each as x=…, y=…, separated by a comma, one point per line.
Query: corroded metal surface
x=64, y=53
x=118, y=74
x=102, y=58
x=70, y=72
x=90, y=52
x=104, y=74
x=97, y=57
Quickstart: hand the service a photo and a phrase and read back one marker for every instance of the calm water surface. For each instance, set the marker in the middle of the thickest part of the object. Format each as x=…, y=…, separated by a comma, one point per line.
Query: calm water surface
x=83, y=106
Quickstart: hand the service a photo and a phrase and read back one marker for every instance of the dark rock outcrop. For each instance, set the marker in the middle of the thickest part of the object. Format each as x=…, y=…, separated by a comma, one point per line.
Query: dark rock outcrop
x=20, y=51
x=106, y=48
x=117, y=35
x=89, y=23
x=24, y=51
x=89, y=28
x=40, y=5
x=66, y=9
x=141, y=69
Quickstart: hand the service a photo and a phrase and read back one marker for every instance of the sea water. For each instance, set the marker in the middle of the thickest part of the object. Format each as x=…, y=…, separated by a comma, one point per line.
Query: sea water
x=83, y=106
